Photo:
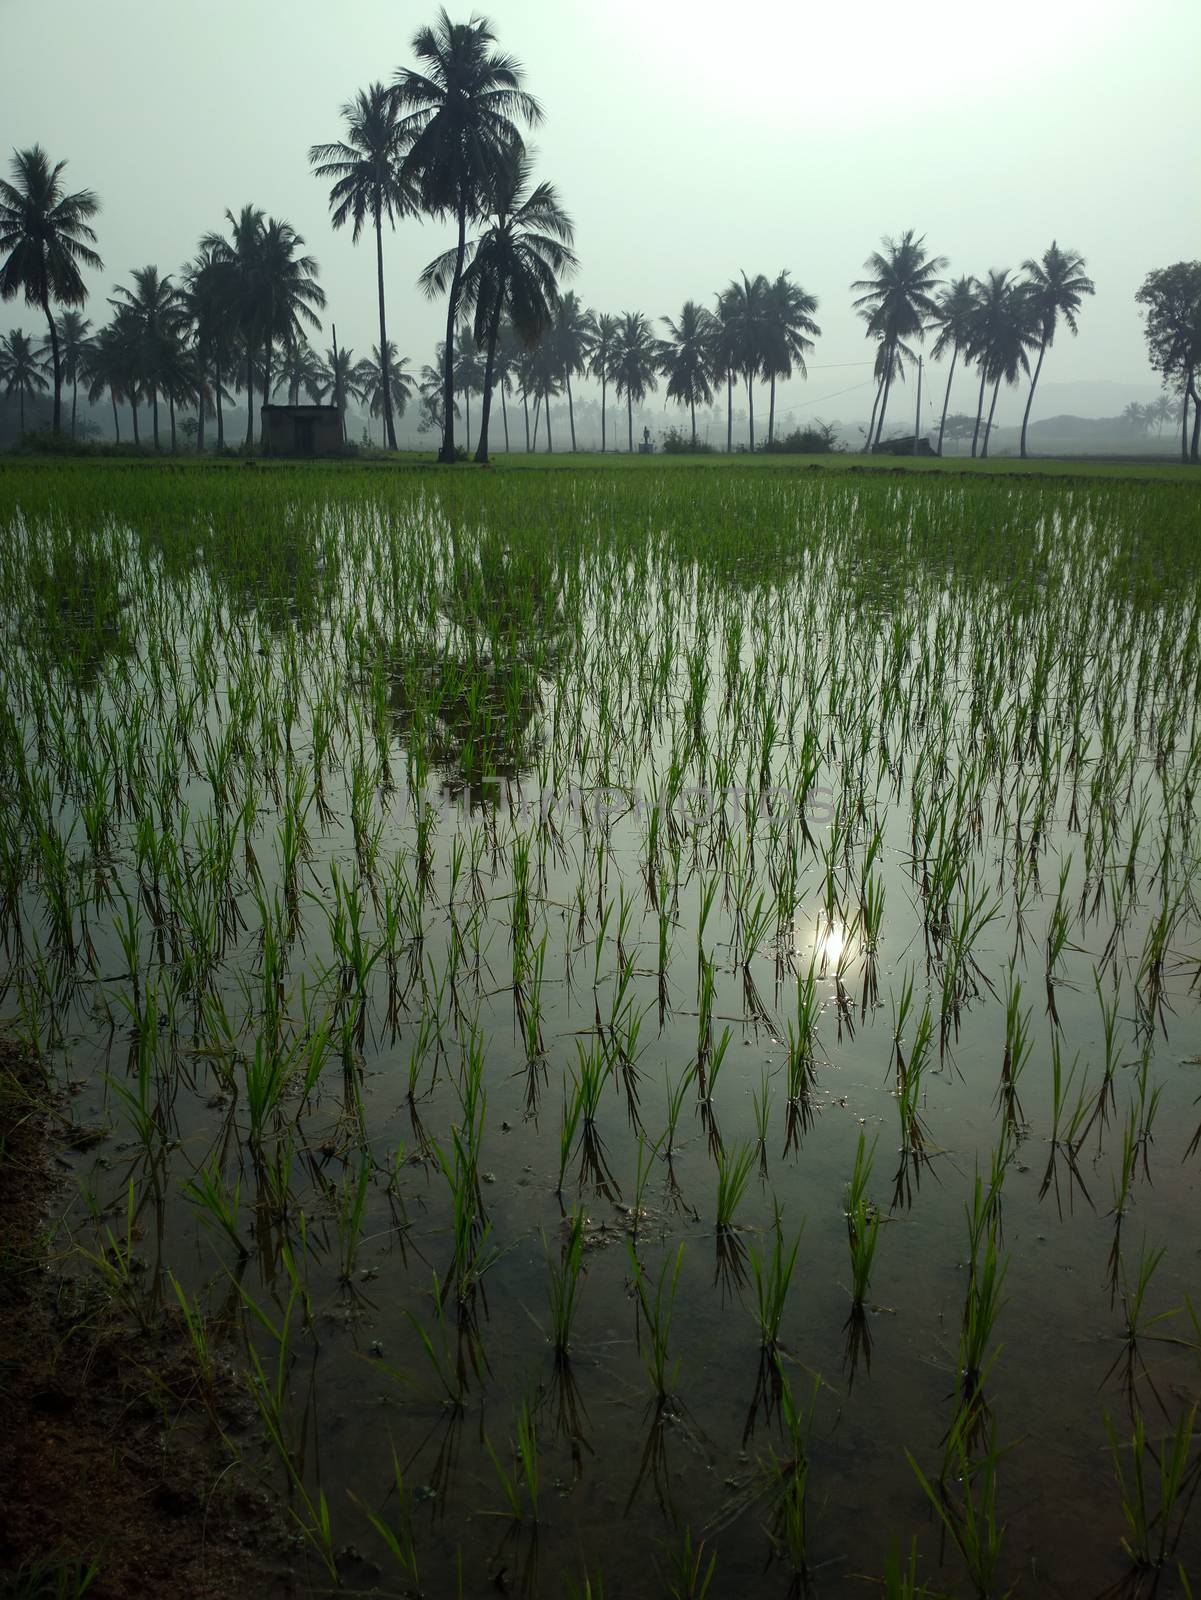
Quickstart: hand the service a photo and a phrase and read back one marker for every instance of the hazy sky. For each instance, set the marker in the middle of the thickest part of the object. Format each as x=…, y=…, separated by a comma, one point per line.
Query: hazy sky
x=688, y=140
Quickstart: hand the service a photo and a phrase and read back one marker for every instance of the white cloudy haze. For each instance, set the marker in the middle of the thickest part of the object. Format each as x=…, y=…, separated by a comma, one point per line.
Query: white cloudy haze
x=688, y=140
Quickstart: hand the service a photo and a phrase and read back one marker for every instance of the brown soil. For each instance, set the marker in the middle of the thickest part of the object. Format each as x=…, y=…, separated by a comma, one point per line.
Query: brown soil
x=111, y=1451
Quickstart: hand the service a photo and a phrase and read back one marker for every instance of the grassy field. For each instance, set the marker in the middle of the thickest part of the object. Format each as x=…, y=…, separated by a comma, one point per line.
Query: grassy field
x=649, y=1020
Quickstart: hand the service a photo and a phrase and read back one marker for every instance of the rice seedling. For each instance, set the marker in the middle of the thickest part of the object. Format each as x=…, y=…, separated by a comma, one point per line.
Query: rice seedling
x=772, y=1274
x=526, y=1471
x=654, y=1327
x=863, y=1220
x=1152, y=1483
x=689, y=1576
x=733, y=1175
x=564, y=1286
x=972, y=1523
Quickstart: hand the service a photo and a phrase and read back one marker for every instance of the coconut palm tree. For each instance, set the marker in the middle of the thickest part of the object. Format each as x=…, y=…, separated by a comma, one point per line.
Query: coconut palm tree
x=458, y=125
x=106, y=369
x=45, y=239
x=372, y=375
x=687, y=358
x=725, y=358
x=300, y=368
x=746, y=308
x=895, y=299
x=209, y=298
x=954, y=311
x=571, y=338
x=239, y=257
x=635, y=364
x=789, y=326
x=368, y=183
x=1057, y=284
x=1003, y=329
x=74, y=334
x=337, y=379
x=21, y=369
x=288, y=294
x=600, y=364
x=513, y=271
x=155, y=316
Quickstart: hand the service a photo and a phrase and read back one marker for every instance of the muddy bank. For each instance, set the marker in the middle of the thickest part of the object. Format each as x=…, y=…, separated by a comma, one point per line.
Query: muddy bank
x=118, y=1461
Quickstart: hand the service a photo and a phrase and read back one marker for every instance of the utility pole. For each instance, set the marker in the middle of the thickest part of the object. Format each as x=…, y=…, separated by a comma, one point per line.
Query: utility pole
x=917, y=420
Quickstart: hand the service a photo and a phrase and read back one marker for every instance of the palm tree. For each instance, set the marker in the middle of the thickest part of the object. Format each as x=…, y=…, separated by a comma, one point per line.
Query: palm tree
x=46, y=238
x=378, y=371
x=635, y=364
x=725, y=358
x=239, y=258
x=789, y=324
x=601, y=362
x=687, y=358
x=155, y=316
x=1004, y=328
x=369, y=184
x=571, y=338
x=895, y=300
x=287, y=291
x=106, y=368
x=21, y=369
x=338, y=377
x=209, y=298
x=1057, y=285
x=459, y=131
x=512, y=273
x=954, y=311
x=300, y=369
x=74, y=336
x=748, y=325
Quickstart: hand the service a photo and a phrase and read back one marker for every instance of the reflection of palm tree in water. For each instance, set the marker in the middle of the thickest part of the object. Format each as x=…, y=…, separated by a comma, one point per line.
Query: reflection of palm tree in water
x=466, y=702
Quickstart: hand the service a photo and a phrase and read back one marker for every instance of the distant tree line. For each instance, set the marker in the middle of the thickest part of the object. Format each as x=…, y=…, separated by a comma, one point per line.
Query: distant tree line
x=445, y=139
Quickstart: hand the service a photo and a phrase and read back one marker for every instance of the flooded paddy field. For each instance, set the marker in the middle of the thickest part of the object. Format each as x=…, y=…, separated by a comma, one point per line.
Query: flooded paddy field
x=653, y=1020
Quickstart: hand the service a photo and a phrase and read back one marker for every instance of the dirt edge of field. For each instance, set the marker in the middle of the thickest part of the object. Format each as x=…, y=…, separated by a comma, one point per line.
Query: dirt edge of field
x=110, y=1457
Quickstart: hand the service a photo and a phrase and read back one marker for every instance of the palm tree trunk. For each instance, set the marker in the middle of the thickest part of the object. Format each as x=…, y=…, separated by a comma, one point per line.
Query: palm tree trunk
x=1184, y=423
x=154, y=411
x=116, y=419
x=220, y=413
x=200, y=403
x=1192, y=389
x=771, y=412
x=537, y=414
x=133, y=406
x=481, y=453
x=692, y=408
x=58, y=371
x=871, y=421
x=504, y=416
x=571, y=413
x=171, y=406
x=604, y=385
x=249, y=396
x=447, y=452
x=74, y=398
x=467, y=408
x=525, y=403
x=750, y=402
x=266, y=391
x=630, y=418
x=389, y=424
x=549, y=442
x=730, y=412
x=946, y=399
x=23, y=410
x=1038, y=367
x=979, y=407
x=884, y=401
x=992, y=408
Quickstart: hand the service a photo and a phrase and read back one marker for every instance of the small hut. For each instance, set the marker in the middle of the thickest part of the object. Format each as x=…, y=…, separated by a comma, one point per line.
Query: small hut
x=301, y=430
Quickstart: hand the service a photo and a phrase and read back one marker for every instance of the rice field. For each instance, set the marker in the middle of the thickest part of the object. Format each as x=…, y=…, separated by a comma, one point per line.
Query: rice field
x=653, y=1018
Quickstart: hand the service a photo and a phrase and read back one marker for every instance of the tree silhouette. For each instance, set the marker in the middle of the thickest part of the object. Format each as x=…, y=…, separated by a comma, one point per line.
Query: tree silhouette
x=601, y=364
x=635, y=364
x=789, y=326
x=155, y=316
x=895, y=300
x=21, y=371
x=45, y=239
x=369, y=183
x=687, y=358
x=954, y=310
x=458, y=124
x=1171, y=302
x=1057, y=283
x=74, y=337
